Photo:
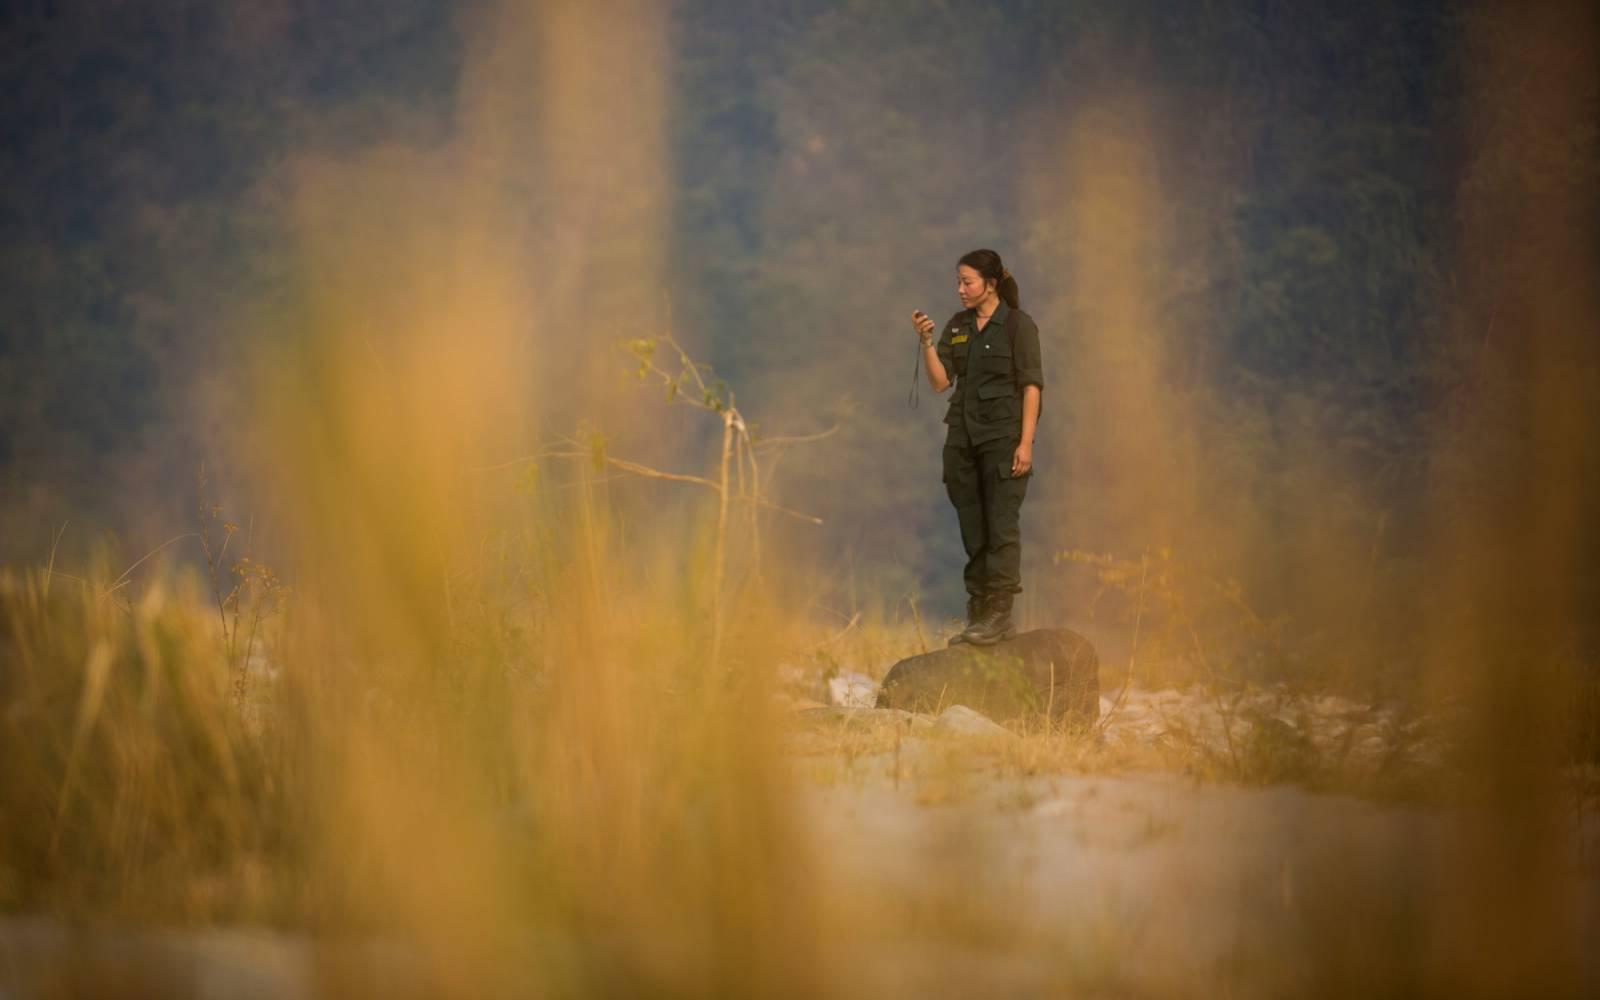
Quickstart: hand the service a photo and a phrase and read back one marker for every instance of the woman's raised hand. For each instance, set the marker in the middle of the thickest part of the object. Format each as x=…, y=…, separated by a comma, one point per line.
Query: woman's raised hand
x=924, y=324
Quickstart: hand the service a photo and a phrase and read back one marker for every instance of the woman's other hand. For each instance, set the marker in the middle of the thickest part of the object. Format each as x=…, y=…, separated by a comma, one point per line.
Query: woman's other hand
x=1022, y=460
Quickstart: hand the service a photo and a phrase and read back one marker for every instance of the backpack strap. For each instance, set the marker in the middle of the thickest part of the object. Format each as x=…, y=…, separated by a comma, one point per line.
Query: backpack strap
x=1011, y=337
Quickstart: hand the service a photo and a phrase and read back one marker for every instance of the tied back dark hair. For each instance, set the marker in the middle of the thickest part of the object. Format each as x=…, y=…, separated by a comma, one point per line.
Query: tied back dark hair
x=987, y=264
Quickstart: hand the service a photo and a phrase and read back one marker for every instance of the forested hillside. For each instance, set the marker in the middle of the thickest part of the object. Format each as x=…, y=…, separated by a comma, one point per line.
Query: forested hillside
x=1239, y=227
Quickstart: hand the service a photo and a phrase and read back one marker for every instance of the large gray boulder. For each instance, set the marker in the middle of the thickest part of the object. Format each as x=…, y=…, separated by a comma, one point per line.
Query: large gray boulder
x=1049, y=671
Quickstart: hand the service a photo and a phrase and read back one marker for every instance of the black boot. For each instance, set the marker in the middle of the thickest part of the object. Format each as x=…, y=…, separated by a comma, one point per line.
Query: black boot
x=975, y=607
x=995, y=625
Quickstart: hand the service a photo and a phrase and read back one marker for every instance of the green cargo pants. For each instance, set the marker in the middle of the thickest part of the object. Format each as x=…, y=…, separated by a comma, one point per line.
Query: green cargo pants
x=988, y=502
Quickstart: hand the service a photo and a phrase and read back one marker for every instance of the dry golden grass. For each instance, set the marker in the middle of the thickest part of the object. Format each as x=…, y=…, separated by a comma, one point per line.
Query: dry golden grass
x=568, y=783
x=131, y=782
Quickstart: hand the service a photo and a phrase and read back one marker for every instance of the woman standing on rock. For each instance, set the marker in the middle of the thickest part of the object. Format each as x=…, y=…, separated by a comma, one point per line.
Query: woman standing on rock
x=990, y=352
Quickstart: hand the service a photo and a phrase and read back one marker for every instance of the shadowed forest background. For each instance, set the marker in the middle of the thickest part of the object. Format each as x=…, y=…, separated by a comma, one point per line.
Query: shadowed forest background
x=1315, y=285
x=1247, y=232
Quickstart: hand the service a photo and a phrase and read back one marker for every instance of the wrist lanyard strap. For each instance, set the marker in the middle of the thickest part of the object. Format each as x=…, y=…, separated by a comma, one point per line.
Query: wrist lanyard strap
x=916, y=366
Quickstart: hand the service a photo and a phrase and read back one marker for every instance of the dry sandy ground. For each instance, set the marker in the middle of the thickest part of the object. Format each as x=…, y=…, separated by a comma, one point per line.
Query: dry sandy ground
x=1152, y=883
x=1156, y=885
x=979, y=883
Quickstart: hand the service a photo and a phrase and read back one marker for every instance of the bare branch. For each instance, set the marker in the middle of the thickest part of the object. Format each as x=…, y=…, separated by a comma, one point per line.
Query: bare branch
x=854, y=620
x=645, y=470
x=811, y=518
x=777, y=442
x=545, y=452
x=650, y=473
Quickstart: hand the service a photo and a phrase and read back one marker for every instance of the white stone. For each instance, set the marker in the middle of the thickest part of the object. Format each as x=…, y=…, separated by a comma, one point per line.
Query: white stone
x=961, y=720
x=852, y=690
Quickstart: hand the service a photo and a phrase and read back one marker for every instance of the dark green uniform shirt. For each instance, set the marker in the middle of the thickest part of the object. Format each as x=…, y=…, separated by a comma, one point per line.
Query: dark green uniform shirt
x=989, y=371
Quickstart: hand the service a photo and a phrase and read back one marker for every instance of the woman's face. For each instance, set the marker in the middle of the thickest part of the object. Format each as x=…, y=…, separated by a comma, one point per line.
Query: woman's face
x=971, y=286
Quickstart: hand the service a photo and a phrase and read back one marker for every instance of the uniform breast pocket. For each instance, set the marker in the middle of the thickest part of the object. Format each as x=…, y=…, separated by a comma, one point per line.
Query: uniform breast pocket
x=996, y=357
